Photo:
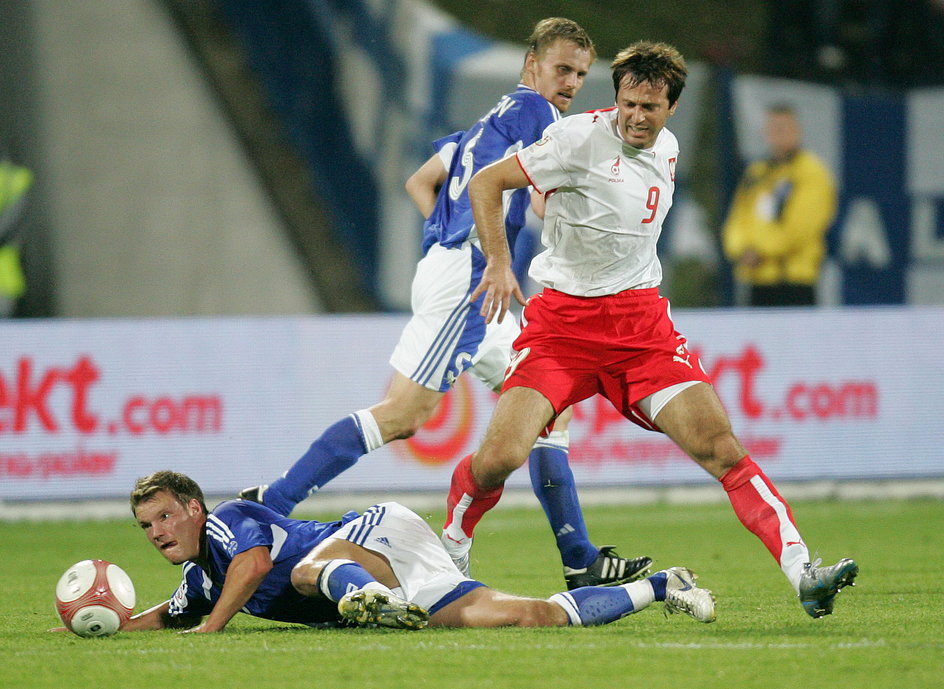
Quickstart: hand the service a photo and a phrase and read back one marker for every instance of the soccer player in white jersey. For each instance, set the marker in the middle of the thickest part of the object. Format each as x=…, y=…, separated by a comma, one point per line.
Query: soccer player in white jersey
x=385, y=567
x=447, y=334
x=600, y=326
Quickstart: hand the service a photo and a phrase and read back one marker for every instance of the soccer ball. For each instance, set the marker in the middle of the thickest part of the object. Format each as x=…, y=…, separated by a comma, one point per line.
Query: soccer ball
x=94, y=598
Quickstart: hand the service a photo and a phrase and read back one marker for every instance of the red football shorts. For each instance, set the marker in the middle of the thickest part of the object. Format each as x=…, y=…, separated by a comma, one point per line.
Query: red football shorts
x=623, y=346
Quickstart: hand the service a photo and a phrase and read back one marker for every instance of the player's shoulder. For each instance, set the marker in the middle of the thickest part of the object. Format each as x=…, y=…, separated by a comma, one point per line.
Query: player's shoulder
x=448, y=140
x=234, y=507
x=526, y=94
x=666, y=143
x=232, y=511
x=578, y=128
x=531, y=103
x=235, y=522
x=591, y=121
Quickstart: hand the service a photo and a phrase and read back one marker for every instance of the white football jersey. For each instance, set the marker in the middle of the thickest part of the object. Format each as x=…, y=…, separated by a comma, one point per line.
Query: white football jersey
x=606, y=202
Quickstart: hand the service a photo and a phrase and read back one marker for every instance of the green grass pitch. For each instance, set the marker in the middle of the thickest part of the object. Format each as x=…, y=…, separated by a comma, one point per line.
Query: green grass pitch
x=886, y=632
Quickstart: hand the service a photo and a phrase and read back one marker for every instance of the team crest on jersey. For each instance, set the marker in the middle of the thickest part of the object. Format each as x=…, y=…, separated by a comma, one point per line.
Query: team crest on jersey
x=672, y=162
x=616, y=173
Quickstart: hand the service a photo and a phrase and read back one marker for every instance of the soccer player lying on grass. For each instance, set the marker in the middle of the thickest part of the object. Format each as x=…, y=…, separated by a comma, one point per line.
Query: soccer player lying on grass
x=385, y=568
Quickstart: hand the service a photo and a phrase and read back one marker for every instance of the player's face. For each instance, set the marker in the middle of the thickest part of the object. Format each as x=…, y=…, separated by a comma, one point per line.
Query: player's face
x=642, y=111
x=558, y=73
x=173, y=528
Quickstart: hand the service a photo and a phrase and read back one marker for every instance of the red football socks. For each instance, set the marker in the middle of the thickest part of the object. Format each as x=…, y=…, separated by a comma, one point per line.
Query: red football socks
x=763, y=511
x=467, y=503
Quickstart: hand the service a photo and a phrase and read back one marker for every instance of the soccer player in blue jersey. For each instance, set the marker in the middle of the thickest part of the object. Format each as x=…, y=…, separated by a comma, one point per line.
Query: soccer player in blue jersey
x=447, y=334
x=385, y=567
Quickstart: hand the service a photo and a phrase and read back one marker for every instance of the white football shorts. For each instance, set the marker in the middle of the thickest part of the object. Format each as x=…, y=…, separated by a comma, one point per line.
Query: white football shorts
x=421, y=564
x=446, y=335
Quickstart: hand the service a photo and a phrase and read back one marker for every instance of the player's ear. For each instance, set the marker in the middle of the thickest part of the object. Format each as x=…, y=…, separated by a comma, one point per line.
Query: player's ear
x=194, y=507
x=529, y=60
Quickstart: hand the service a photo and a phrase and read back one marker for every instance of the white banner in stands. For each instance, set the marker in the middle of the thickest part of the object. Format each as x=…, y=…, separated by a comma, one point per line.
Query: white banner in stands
x=86, y=407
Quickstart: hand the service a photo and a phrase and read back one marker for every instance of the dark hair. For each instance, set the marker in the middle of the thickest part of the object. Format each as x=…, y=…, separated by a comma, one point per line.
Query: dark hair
x=552, y=29
x=660, y=64
x=182, y=487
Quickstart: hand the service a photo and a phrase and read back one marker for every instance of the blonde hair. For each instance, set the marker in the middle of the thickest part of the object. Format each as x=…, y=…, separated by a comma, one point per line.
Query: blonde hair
x=552, y=29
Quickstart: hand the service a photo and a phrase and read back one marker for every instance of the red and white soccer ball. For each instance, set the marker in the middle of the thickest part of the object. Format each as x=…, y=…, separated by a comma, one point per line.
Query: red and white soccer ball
x=94, y=598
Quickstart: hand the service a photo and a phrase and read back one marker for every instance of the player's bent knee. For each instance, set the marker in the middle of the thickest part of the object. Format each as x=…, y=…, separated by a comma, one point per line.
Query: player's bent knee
x=400, y=426
x=401, y=420
x=718, y=452
x=491, y=471
x=305, y=576
x=502, y=457
x=727, y=450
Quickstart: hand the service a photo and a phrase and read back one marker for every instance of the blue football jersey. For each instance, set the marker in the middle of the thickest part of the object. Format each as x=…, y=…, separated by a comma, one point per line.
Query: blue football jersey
x=238, y=525
x=518, y=120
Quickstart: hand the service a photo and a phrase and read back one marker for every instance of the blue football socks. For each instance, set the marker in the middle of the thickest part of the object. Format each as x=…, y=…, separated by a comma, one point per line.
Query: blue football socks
x=554, y=486
x=340, y=577
x=335, y=451
x=658, y=581
x=594, y=605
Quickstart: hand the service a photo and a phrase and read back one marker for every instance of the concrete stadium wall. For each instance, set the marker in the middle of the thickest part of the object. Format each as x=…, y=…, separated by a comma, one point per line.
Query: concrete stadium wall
x=154, y=209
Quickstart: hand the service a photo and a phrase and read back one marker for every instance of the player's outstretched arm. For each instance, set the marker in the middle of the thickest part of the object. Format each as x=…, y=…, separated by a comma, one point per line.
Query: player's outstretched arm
x=498, y=283
x=245, y=573
x=159, y=617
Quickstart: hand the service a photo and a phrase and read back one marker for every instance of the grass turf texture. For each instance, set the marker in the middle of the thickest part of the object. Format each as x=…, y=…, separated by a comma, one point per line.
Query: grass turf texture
x=886, y=632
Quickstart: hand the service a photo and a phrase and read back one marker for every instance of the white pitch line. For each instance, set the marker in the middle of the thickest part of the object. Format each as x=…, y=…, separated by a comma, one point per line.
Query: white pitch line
x=427, y=502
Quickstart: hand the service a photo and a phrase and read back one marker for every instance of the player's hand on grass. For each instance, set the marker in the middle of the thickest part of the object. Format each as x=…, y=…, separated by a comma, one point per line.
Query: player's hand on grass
x=199, y=629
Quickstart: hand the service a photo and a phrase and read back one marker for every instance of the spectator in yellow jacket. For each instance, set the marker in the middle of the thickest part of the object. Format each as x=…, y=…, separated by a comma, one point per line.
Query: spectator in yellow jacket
x=15, y=182
x=775, y=233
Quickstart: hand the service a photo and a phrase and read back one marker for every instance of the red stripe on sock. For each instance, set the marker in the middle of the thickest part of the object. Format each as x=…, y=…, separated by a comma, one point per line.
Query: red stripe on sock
x=463, y=484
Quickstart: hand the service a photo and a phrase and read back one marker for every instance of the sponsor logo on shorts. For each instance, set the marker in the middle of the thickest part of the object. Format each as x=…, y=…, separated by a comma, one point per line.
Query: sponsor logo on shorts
x=516, y=359
x=682, y=356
